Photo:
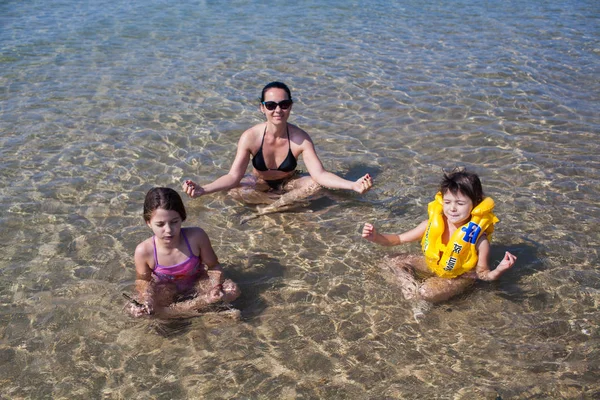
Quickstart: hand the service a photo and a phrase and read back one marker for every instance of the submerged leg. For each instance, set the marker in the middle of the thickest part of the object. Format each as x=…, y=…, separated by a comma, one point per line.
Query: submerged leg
x=205, y=301
x=400, y=272
x=226, y=290
x=436, y=289
x=213, y=294
x=253, y=191
x=298, y=191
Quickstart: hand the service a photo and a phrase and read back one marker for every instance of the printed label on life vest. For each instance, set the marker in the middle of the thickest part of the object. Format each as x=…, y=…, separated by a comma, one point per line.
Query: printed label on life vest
x=450, y=265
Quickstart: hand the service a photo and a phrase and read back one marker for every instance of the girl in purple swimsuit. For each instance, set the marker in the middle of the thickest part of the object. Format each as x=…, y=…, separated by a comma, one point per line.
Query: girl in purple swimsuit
x=274, y=147
x=177, y=270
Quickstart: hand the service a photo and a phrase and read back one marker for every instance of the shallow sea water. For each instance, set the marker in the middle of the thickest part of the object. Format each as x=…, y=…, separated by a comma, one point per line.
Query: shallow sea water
x=100, y=102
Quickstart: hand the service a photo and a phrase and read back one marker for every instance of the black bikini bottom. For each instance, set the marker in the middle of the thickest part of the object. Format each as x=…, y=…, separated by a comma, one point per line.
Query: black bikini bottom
x=278, y=184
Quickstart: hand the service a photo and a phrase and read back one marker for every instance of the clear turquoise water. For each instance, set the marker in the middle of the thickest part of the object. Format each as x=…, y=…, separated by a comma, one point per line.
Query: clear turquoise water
x=99, y=102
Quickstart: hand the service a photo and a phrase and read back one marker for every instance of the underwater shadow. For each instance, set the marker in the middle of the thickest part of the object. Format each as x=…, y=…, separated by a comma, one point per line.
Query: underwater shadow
x=260, y=273
x=528, y=263
x=349, y=198
x=358, y=170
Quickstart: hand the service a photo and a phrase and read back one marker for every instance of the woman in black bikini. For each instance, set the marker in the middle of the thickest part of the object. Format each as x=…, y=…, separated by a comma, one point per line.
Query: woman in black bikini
x=274, y=147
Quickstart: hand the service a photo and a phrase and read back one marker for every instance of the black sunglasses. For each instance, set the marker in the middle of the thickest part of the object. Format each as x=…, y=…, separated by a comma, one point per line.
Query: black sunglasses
x=271, y=105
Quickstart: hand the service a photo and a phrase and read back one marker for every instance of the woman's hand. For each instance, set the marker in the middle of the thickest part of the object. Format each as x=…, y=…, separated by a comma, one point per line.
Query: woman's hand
x=363, y=184
x=192, y=189
x=369, y=232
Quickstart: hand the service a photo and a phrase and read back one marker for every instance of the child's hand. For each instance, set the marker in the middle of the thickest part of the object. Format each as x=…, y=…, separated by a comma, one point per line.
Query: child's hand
x=369, y=232
x=231, y=291
x=192, y=189
x=507, y=262
x=138, y=310
x=363, y=184
x=215, y=294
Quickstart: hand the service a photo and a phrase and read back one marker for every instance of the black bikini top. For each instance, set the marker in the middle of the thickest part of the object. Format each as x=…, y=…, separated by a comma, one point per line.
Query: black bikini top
x=288, y=165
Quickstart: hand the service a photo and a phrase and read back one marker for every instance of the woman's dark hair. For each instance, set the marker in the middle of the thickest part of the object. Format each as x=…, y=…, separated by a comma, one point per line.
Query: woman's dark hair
x=278, y=85
x=460, y=180
x=165, y=198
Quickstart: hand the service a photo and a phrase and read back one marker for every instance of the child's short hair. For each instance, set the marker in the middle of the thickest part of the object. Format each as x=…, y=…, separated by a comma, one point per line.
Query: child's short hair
x=165, y=198
x=461, y=180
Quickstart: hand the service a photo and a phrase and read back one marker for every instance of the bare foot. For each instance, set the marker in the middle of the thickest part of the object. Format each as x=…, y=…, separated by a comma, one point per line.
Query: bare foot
x=419, y=309
x=247, y=218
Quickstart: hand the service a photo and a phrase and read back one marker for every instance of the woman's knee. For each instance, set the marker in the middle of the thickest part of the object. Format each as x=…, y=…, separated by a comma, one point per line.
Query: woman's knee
x=250, y=195
x=313, y=187
x=305, y=183
x=236, y=193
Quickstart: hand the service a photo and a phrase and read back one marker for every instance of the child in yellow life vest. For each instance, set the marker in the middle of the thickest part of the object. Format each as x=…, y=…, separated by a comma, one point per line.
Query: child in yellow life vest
x=455, y=240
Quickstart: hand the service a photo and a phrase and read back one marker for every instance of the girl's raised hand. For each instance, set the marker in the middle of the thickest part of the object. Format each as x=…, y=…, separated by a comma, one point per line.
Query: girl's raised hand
x=192, y=189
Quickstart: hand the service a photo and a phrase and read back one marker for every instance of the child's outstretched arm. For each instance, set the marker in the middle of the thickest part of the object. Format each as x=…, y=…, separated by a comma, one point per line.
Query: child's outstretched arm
x=386, y=239
x=483, y=269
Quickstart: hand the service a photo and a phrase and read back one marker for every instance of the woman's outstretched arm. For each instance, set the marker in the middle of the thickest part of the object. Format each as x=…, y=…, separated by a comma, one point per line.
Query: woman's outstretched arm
x=229, y=180
x=327, y=179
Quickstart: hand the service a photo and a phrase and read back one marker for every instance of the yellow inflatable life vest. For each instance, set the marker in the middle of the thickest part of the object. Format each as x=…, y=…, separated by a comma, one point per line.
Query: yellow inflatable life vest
x=459, y=255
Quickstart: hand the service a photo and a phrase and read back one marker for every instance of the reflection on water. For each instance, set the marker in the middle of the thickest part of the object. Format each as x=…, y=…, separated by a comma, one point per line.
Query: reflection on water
x=100, y=102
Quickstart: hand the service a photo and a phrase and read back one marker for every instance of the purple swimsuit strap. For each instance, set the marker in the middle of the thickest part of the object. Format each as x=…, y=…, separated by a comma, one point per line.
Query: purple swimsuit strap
x=192, y=255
